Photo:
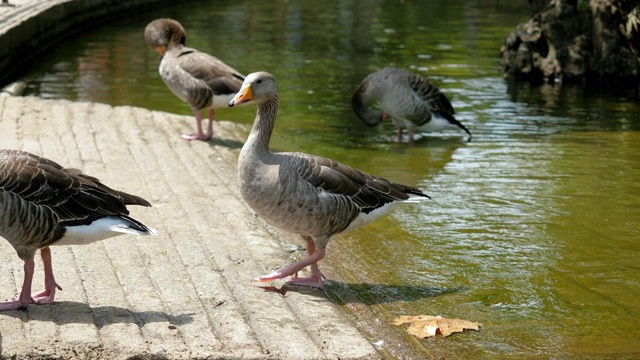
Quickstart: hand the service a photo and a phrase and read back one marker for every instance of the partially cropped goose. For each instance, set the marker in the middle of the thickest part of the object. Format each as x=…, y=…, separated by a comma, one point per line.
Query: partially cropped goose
x=43, y=204
x=201, y=80
x=411, y=101
x=305, y=194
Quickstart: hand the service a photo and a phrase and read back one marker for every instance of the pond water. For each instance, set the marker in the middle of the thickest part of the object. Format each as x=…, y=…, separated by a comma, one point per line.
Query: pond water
x=534, y=225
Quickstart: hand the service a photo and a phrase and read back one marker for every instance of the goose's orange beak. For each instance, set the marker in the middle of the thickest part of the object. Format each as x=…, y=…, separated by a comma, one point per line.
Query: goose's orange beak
x=244, y=95
x=161, y=50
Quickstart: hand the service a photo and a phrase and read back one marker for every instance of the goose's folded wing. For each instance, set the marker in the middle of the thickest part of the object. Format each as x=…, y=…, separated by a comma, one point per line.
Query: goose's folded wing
x=430, y=95
x=74, y=197
x=218, y=76
x=367, y=191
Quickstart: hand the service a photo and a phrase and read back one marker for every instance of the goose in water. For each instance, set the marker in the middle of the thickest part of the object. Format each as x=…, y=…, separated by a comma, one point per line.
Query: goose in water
x=44, y=204
x=411, y=101
x=312, y=196
x=199, y=79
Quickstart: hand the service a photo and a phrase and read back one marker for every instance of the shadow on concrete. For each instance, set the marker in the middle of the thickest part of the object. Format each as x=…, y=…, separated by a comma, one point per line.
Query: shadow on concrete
x=368, y=294
x=228, y=143
x=71, y=312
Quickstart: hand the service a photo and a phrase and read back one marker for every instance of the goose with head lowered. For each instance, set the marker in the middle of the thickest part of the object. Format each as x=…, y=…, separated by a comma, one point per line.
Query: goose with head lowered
x=43, y=204
x=201, y=80
x=312, y=196
x=411, y=101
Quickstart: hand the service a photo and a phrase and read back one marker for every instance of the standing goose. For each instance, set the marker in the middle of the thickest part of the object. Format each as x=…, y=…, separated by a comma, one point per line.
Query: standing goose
x=43, y=204
x=199, y=79
x=305, y=194
x=411, y=101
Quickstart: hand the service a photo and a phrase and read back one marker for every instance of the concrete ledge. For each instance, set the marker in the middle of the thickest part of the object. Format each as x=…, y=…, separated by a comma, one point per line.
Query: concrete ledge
x=30, y=27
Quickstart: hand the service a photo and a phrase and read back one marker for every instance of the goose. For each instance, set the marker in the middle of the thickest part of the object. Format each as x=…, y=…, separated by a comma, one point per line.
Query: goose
x=411, y=101
x=43, y=204
x=312, y=196
x=199, y=79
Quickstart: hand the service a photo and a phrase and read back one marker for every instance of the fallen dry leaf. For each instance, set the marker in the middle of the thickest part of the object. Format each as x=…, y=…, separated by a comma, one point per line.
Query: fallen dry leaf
x=424, y=326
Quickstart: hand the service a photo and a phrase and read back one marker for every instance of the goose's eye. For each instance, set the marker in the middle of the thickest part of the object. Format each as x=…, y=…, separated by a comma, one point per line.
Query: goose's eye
x=259, y=81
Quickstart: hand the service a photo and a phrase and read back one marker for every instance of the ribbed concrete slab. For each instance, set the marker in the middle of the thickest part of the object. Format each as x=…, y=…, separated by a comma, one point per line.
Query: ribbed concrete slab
x=184, y=294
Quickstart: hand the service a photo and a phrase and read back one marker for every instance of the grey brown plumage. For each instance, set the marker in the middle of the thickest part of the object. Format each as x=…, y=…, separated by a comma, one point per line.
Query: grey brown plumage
x=411, y=101
x=201, y=80
x=309, y=195
x=44, y=204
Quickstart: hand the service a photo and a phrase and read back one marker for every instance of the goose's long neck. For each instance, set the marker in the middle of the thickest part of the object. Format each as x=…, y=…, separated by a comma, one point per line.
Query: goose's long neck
x=263, y=126
x=360, y=102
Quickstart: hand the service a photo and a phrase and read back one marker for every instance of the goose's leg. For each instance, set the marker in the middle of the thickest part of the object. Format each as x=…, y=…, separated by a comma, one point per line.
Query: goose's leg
x=411, y=133
x=209, y=134
x=199, y=135
x=315, y=280
x=49, y=293
x=399, y=139
x=25, y=295
x=294, y=268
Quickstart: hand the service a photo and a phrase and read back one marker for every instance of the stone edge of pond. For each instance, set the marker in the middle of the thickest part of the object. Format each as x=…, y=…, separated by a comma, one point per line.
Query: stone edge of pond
x=28, y=28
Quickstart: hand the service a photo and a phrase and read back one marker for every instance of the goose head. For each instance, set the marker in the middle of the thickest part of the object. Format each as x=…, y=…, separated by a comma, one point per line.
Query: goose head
x=360, y=101
x=258, y=87
x=162, y=34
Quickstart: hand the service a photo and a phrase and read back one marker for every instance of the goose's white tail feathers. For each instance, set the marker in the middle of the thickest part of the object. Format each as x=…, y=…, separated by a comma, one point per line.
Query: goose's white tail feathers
x=416, y=199
x=104, y=228
x=127, y=229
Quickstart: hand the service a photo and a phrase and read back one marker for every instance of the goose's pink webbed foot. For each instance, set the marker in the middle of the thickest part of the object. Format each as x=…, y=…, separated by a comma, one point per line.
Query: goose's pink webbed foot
x=46, y=296
x=15, y=304
x=315, y=280
x=195, y=137
x=200, y=135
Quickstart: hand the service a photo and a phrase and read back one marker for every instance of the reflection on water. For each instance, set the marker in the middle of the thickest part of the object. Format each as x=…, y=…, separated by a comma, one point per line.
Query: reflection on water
x=533, y=228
